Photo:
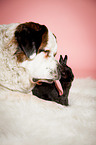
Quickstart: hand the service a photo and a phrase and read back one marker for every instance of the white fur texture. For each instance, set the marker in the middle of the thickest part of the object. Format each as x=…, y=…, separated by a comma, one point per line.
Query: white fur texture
x=28, y=120
x=18, y=76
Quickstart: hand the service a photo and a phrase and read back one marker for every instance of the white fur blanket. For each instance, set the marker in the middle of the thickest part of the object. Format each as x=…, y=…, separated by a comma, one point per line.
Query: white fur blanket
x=32, y=121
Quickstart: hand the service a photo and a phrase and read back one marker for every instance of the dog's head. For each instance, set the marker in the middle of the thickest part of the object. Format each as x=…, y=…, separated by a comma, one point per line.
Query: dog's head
x=35, y=52
x=36, y=49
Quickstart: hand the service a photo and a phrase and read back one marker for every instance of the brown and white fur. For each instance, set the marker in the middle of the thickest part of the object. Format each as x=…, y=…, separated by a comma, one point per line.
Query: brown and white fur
x=26, y=52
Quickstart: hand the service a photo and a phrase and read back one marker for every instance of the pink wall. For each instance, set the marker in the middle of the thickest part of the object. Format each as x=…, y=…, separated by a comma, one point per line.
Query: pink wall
x=72, y=21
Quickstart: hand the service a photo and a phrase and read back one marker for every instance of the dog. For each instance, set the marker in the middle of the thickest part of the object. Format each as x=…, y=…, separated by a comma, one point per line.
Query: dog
x=50, y=92
x=27, y=56
x=27, y=53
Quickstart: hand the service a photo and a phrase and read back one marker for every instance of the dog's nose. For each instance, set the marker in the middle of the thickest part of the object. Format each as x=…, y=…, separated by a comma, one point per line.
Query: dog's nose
x=56, y=73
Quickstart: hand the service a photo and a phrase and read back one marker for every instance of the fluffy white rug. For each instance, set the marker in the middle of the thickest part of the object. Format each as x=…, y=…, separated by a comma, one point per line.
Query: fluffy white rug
x=32, y=121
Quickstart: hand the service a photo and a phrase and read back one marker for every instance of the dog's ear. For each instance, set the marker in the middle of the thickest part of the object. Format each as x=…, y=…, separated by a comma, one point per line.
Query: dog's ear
x=29, y=37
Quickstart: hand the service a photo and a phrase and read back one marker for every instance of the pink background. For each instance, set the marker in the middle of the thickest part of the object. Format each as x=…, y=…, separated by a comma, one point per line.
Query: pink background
x=72, y=21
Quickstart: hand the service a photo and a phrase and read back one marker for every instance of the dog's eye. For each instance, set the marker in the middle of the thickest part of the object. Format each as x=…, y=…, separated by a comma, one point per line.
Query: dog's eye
x=47, y=52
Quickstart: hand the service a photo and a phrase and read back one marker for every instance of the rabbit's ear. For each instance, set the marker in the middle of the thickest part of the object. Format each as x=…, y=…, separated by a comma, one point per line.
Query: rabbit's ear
x=61, y=59
x=65, y=59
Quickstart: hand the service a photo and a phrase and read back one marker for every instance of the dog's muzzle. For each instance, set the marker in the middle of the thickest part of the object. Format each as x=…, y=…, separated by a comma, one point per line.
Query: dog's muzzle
x=56, y=75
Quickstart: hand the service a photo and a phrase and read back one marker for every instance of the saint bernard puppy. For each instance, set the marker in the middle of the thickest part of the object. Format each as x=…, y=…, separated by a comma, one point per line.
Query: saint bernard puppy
x=27, y=53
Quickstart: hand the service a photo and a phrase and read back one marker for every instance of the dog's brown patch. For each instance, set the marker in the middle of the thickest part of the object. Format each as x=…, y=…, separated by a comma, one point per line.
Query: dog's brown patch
x=21, y=56
x=44, y=40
